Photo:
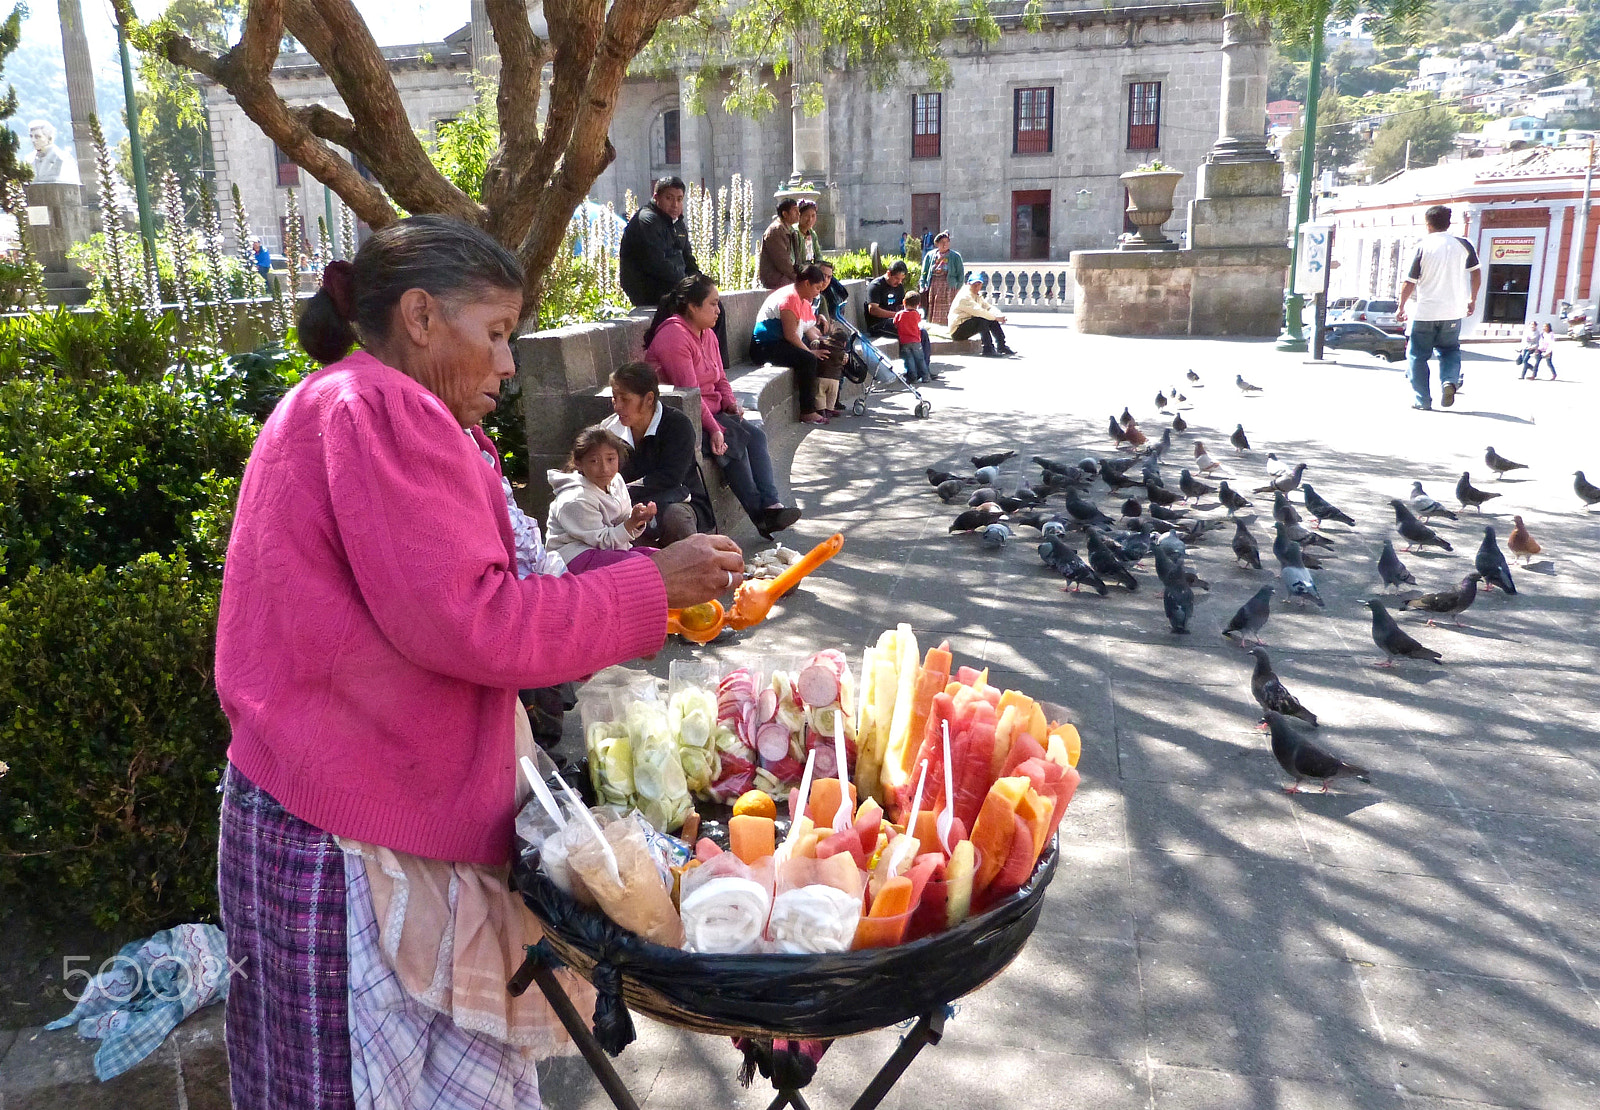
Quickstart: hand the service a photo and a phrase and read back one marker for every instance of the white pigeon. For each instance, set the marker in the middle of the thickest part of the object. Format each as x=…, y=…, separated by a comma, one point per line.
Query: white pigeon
x=1423, y=505
x=1203, y=460
x=1275, y=467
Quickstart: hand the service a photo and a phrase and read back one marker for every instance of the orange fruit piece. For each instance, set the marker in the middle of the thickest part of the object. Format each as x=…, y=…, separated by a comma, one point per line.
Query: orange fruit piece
x=755, y=803
x=698, y=618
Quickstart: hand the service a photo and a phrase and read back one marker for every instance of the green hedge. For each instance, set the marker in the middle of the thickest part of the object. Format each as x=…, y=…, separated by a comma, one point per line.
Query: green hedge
x=115, y=742
x=88, y=346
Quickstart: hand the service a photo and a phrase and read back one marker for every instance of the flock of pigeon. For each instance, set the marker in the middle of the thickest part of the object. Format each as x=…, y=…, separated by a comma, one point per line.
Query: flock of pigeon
x=1161, y=519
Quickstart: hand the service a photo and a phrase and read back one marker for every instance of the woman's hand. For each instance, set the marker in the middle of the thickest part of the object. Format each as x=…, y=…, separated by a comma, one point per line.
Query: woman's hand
x=642, y=515
x=738, y=409
x=699, y=568
x=719, y=444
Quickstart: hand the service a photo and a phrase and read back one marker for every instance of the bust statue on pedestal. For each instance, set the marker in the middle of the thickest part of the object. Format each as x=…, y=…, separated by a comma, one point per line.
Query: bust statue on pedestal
x=51, y=164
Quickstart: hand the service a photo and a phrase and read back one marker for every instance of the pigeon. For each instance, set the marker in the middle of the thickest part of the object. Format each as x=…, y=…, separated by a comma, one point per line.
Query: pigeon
x=1161, y=400
x=1282, y=511
x=1029, y=519
x=1132, y=507
x=1105, y=563
x=1181, y=397
x=1413, y=531
x=1173, y=547
x=1126, y=417
x=1391, y=569
x=974, y=519
x=1160, y=496
x=1163, y=446
x=1179, y=424
x=939, y=477
x=1276, y=468
x=1177, y=600
x=1287, y=483
x=1297, y=578
x=1083, y=512
x=1192, y=489
x=1012, y=504
x=1448, y=603
x=994, y=458
x=1303, y=759
x=1491, y=563
x=1392, y=641
x=1241, y=442
x=996, y=535
x=1245, y=387
x=1520, y=542
x=1162, y=512
x=1304, y=536
x=1322, y=509
x=1114, y=430
x=987, y=476
x=1280, y=549
x=1060, y=557
x=1232, y=501
x=1049, y=465
x=1134, y=437
x=1194, y=531
x=1501, y=466
x=1270, y=693
x=1468, y=494
x=1426, y=505
x=1252, y=616
x=1202, y=459
x=1192, y=376
x=981, y=495
x=1150, y=473
x=1581, y=486
x=1133, y=548
x=1244, y=546
x=1119, y=480
x=950, y=490
x=1053, y=528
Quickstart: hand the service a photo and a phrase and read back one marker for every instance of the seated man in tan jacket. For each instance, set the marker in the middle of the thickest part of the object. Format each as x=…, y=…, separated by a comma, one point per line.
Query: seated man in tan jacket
x=971, y=313
x=776, y=267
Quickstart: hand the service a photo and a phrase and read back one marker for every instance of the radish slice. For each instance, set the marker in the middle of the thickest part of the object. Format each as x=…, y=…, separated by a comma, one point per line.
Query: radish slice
x=826, y=761
x=751, y=722
x=817, y=685
x=772, y=741
x=767, y=706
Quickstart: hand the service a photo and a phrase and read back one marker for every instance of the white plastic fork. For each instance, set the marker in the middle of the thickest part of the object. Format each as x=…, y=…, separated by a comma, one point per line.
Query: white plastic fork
x=947, y=815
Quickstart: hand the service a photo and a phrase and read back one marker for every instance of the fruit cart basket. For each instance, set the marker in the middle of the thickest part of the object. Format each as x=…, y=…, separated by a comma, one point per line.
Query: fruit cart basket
x=767, y=997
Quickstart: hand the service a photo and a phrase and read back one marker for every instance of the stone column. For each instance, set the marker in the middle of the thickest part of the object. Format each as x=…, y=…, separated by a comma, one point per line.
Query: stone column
x=691, y=161
x=80, y=95
x=1244, y=92
x=485, y=53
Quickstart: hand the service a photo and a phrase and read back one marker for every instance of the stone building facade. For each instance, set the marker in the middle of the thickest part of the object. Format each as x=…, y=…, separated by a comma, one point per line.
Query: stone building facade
x=1018, y=156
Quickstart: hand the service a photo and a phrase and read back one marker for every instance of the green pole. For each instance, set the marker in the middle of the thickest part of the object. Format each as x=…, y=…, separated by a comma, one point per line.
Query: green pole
x=1293, y=339
x=141, y=181
x=327, y=210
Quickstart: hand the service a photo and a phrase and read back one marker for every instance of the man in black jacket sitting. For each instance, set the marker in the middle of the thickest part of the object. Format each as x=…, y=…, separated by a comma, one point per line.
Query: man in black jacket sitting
x=655, y=254
x=886, y=295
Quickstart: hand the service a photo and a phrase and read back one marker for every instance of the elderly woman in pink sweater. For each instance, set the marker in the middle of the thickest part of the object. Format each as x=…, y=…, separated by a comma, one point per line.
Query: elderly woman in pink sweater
x=373, y=633
x=683, y=349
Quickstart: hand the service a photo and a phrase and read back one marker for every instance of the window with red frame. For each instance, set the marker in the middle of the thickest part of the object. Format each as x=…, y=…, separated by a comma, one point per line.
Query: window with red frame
x=288, y=172
x=1034, y=113
x=1144, y=115
x=926, y=124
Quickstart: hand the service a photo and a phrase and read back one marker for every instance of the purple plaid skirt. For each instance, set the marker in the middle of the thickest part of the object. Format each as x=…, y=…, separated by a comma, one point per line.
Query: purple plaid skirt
x=282, y=887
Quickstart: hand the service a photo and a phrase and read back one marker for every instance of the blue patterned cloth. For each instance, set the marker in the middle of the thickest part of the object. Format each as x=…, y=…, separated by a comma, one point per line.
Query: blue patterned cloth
x=145, y=991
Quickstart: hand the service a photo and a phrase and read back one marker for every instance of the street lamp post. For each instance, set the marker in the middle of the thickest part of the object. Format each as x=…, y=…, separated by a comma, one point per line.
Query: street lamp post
x=1293, y=338
x=141, y=180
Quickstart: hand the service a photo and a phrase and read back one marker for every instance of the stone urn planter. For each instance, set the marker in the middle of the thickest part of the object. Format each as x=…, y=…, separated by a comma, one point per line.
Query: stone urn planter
x=1149, y=206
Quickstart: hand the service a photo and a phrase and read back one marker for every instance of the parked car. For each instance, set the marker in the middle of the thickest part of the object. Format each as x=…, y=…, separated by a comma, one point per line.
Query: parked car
x=1347, y=335
x=1378, y=313
x=1339, y=308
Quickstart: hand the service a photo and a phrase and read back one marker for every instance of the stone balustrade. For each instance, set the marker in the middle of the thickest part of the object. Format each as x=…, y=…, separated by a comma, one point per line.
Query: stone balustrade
x=1026, y=286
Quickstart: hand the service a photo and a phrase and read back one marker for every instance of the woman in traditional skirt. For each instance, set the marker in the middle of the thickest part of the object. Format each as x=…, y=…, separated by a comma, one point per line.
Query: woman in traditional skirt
x=374, y=630
x=942, y=278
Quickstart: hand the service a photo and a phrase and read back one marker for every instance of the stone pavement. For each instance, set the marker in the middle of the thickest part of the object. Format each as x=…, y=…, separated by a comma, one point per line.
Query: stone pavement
x=1427, y=942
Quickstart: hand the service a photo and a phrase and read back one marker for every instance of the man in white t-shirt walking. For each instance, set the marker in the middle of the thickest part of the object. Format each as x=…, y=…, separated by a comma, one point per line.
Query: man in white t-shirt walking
x=1443, y=280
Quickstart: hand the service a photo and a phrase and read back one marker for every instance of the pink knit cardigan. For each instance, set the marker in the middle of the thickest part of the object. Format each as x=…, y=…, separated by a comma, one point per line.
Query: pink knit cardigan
x=687, y=361
x=373, y=632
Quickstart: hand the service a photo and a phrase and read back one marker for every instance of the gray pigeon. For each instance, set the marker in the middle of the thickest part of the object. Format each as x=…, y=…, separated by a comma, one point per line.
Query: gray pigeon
x=1426, y=505
x=1271, y=694
x=1491, y=563
x=1287, y=482
x=1304, y=536
x=1245, y=548
x=1413, y=531
x=1280, y=549
x=982, y=495
x=1282, y=511
x=1391, y=569
x=1240, y=441
x=1177, y=596
x=1323, y=509
x=1105, y=563
x=1585, y=489
x=949, y=491
x=1501, y=466
x=993, y=459
x=996, y=535
x=1231, y=501
x=1448, y=603
x=1244, y=386
x=1296, y=577
x=1252, y=616
x=1303, y=759
x=1468, y=494
x=1193, y=489
x=1392, y=641
x=987, y=475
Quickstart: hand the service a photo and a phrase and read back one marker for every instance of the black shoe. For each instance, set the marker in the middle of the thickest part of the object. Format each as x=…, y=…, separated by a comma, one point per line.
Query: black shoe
x=993, y=354
x=777, y=519
x=1449, y=394
x=1007, y=351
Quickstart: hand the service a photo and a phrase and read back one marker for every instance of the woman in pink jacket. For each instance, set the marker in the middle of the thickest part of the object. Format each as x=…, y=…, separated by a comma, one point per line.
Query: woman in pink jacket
x=683, y=349
x=372, y=637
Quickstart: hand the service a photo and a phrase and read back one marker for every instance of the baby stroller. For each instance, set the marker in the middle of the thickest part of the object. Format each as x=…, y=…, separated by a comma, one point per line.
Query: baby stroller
x=865, y=363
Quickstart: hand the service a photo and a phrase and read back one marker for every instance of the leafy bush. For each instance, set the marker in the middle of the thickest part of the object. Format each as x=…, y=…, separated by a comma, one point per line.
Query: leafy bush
x=251, y=382
x=115, y=742
x=858, y=264
x=87, y=346
x=93, y=256
x=16, y=284
x=100, y=475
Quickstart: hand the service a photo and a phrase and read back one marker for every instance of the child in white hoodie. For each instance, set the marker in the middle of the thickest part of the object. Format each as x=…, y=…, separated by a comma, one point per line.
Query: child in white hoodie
x=593, y=522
